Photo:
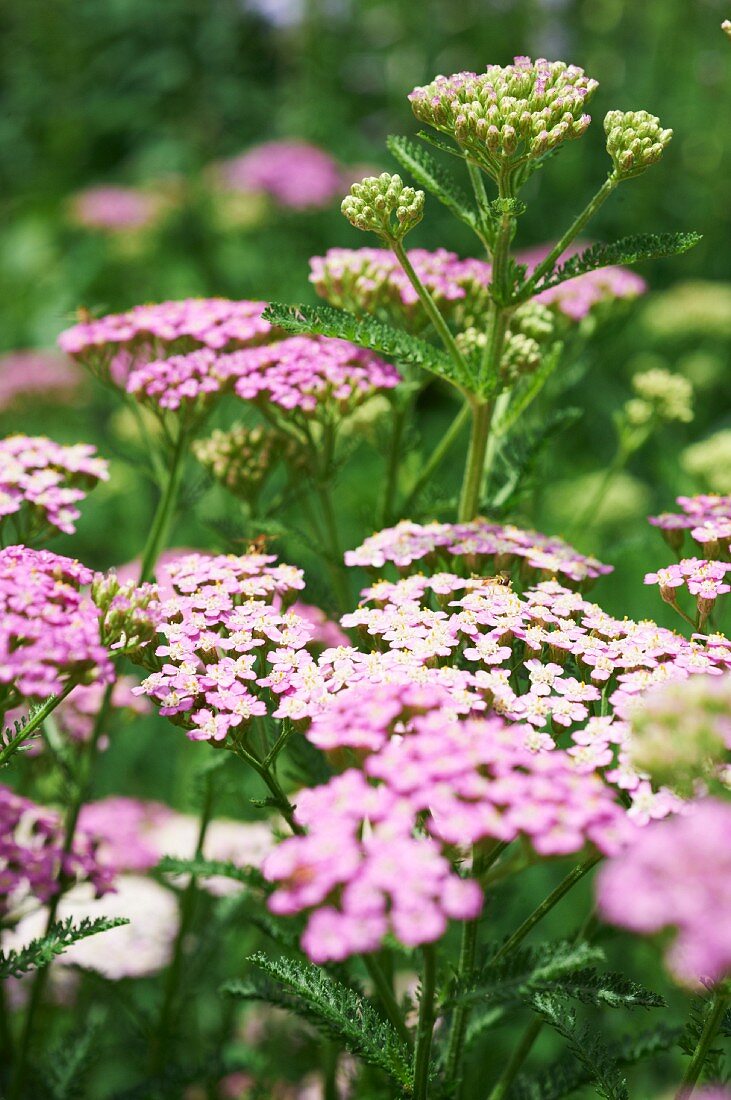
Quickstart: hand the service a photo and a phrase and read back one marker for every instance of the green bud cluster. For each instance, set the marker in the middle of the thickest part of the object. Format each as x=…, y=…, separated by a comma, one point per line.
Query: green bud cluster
x=726, y=27
x=242, y=458
x=128, y=614
x=511, y=116
x=635, y=141
x=531, y=328
x=710, y=461
x=384, y=206
x=661, y=395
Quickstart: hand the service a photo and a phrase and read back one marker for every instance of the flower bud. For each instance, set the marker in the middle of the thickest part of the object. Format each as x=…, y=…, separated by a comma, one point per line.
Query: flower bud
x=382, y=205
x=242, y=458
x=635, y=140
x=129, y=614
x=726, y=27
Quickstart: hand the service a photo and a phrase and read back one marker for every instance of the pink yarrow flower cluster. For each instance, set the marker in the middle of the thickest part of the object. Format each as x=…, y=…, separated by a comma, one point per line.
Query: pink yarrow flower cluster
x=113, y=346
x=114, y=208
x=706, y=580
x=49, y=629
x=708, y=519
x=677, y=874
x=42, y=482
x=33, y=863
x=375, y=860
x=217, y=631
x=293, y=173
x=370, y=280
x=480, y=545
x=43, y=375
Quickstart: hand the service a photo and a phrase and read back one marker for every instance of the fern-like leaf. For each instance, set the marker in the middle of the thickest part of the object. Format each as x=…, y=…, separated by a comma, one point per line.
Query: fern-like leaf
x=61, y=935
x=335, y=1009
x=68, y=1065
x=627, y=250
x=521, y=461
x=563, y=1078
x=323, y=320
x=528, y=969
x=585, y=1045
x=208, y=868
x=433, y=178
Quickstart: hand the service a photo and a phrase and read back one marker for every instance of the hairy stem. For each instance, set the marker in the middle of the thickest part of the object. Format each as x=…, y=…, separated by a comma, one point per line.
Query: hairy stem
x=386, y=996
x=161, y=1038
x=81, y=792
x=281, y=801
x=35, y=722
x=469, y=501
x=546, y=906
x=440, y=325
x=425, y=1026
x=437, y=456
x=162, y=520
x=546, y=265
x=692, y=1075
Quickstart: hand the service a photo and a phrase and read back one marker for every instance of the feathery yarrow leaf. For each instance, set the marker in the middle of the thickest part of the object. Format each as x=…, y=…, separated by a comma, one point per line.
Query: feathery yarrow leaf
x=585, y=1045
x=366, y=333
x=61, y=935
x=627, y=250
x=330, y=1006
x=208, y=868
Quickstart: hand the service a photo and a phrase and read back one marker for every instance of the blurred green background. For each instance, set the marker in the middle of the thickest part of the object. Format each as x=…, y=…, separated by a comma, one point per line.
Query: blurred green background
x=150, y=95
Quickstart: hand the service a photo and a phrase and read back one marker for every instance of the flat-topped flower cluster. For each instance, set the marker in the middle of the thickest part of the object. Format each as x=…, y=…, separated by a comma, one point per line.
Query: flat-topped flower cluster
x=42, y=482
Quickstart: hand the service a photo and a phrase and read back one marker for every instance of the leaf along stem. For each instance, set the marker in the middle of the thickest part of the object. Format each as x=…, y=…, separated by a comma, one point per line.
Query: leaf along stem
x=35, y=722
x=721, y=1000
x=425, y=1026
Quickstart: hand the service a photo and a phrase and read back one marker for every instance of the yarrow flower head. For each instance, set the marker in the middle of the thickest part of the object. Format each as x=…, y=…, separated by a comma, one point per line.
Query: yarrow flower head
x=481, y=545
x=581, y=296
x=677, y=874
x=710, y=461
x=114, y=209
x=293, y=173
x=635, y=141
x=681, y=733
x=708, y=519
x=509, y=117
x=129, y=613
x=40, y=375
x=49, y=628
x=308, y=375
x=384, y=206
x=227, y=650
x=112, y=346
x=34, y=865
x=41, y=483
x=661, y=395
x=376, y=856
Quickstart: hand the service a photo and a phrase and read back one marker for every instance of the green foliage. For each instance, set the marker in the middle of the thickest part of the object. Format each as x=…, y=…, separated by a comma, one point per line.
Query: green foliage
x=366, y=333
x=564, y=1077
x=521, y=461
x=627, y=250
x=43, y=950
x=527, y=969
x=434, y=178
x=333, y=1008
x=586, y=1046
x=205, y=868
x=529, y=390
x=69, y=1063
x=690, y=1037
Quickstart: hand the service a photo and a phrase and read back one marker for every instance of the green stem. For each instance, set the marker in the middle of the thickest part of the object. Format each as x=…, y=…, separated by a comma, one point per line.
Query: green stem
x=33, y=724
x=478, y=186
x=283, y=804
x=546, y=265
x=386, y=996
x=517, y=1058
x=425, y=1026
x=82, y=785
x=334, y=555
x=160, y=1040
x=588, y=512
x=440, y=325
x=160, y=528
x=392, y=466
x=469, y=502
x=545, y=907
x=713, y=1022
x=437, y=456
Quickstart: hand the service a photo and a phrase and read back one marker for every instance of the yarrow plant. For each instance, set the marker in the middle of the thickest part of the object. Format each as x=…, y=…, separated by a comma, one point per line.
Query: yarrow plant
x=422, y=760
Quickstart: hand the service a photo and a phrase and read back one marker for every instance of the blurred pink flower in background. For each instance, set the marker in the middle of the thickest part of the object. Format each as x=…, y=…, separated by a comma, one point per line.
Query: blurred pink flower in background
x=114, y=208
x=40, y=374
x=293, y=173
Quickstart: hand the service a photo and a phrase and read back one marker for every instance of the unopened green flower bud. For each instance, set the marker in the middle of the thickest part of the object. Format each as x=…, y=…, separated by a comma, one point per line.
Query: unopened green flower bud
x=382, y=205
x=681, y=732
x=669, y=395
x=521, y=355
x=635, y=140
x=242, y=458
x=130, y=614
